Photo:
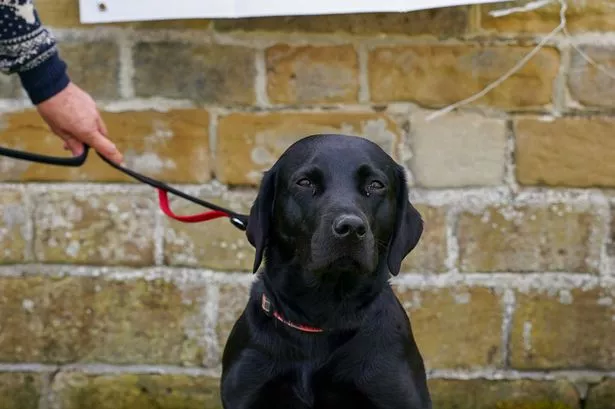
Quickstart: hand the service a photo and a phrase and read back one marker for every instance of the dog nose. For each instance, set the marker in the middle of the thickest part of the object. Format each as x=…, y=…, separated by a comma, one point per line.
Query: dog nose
x=349, y=225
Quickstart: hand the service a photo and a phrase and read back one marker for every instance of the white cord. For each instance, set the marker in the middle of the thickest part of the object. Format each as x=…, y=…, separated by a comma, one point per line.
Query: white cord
x=560, y=28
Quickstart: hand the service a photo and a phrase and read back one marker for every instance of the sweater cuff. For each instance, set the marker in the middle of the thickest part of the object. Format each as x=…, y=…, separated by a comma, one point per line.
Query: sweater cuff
x=45, y=80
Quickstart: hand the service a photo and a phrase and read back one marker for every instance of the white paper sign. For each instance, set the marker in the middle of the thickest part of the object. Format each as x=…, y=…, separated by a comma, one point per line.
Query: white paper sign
x=108, y=11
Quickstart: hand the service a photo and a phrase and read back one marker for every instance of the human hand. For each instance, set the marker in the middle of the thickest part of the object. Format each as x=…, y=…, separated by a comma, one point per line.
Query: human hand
x=73, y=116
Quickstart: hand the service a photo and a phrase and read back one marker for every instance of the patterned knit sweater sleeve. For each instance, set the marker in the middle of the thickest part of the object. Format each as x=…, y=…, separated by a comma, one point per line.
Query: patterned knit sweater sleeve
x=29, y=50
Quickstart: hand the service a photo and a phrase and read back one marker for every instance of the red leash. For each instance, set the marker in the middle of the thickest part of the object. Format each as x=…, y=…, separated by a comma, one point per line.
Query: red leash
x=163, y=199
x=238, y=220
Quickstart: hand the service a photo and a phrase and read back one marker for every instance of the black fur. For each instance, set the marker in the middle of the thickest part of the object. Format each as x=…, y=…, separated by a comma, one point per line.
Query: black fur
x=331, y=223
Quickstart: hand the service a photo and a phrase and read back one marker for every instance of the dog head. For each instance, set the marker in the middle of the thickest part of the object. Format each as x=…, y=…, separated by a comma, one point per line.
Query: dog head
x=335, y=203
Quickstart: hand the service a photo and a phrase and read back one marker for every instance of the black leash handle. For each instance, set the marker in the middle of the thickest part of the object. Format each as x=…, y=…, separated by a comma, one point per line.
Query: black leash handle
x=73, y=161
x=238, y=220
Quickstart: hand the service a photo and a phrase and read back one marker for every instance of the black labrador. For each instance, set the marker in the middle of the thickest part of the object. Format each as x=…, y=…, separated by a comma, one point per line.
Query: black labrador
x=322, y=328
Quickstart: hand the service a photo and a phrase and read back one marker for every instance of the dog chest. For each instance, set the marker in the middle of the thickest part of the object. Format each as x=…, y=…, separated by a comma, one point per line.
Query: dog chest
x=310, y=387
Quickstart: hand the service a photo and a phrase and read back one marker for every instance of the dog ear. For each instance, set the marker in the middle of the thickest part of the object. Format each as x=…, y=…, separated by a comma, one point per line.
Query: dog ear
x=408, y=226
x=259, y=221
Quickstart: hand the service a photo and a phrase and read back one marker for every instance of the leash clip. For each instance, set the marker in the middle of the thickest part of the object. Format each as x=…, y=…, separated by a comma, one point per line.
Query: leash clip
x=240, y=224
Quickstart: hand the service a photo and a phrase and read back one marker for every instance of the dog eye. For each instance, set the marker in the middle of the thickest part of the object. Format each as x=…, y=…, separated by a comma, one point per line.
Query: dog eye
x=305, y=182
x=376, y=185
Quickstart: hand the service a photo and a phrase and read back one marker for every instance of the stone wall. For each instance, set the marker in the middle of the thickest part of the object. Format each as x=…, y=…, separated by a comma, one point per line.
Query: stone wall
x=105, y=303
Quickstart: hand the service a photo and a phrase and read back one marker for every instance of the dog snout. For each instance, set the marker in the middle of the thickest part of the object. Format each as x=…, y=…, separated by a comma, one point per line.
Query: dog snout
x=349, y=226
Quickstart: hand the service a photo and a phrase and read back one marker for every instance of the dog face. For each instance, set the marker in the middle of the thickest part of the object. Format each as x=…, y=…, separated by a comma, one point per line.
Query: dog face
x=335, y=203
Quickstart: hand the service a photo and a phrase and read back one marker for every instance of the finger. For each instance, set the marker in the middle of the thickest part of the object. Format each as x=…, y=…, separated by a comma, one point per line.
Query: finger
x=74, y=146
x=102, y=127
x=59, y=132
x=70, y=143
x=105, y=147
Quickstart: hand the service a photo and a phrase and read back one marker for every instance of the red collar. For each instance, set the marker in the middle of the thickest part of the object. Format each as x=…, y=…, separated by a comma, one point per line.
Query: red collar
x=267, y=307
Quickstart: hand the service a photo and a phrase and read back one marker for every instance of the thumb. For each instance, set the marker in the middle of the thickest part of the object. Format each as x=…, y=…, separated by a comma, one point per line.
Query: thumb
x=104, y=146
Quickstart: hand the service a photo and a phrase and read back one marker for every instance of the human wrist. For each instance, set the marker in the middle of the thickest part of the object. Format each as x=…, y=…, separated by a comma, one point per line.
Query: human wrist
x=45, y=80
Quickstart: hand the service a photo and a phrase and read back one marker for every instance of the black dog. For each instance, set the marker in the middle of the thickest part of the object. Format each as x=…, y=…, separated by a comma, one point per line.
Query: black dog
x=323, y=328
